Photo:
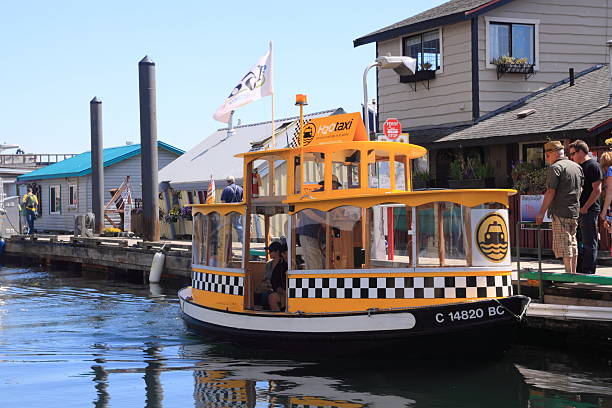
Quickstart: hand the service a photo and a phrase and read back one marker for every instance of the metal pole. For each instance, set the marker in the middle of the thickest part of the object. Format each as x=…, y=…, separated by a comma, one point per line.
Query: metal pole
x=230, y=125
x=609, y=44
x=538, y=231
x=97, y=164
x=148, y=148
x=518, y=257
x=365, y=97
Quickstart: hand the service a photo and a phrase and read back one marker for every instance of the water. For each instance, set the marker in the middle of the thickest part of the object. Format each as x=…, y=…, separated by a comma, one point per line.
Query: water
x=76, y=340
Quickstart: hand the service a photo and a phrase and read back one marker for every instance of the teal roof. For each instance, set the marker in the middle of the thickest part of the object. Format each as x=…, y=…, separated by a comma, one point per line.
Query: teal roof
x=80, y=165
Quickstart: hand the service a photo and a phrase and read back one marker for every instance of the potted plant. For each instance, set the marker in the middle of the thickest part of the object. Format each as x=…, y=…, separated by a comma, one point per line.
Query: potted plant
x=507, y=64
x=421, y=179
x=426, y=66
x=529, y=179
x=486, y=172
x=110, y=232
x=463, y=173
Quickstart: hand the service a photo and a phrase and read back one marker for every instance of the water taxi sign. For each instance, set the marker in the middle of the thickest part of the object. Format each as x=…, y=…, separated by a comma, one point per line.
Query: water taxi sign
x=490, y=239
x=392, y=128
x=347, y=127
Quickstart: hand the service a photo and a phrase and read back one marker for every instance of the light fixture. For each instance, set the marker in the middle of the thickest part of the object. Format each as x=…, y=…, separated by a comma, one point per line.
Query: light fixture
x=401, y=65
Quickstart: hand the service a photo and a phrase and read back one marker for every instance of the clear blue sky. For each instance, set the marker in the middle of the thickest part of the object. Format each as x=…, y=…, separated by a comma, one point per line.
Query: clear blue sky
x=58, y=55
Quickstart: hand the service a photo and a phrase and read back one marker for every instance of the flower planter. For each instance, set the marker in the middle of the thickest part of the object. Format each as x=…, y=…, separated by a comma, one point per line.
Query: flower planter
x=525, y=69
x=423, y=75
x=466, y=183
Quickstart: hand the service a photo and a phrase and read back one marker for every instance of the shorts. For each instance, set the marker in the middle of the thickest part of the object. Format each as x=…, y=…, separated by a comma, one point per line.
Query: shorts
x=564, y=237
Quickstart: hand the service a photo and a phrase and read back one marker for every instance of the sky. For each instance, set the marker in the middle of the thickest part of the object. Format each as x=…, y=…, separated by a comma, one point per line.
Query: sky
x=57, y=55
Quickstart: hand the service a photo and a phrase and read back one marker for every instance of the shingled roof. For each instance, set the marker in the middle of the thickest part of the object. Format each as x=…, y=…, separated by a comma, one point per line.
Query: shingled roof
x=450, y=12
x=560, y=111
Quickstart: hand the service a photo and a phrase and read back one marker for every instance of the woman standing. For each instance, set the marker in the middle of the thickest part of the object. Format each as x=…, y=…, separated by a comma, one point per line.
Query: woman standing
x=605, y=161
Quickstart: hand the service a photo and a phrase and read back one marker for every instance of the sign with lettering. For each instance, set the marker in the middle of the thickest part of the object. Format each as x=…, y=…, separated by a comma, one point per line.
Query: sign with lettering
x=530, y=207
x=392, y=128
x=347, y=127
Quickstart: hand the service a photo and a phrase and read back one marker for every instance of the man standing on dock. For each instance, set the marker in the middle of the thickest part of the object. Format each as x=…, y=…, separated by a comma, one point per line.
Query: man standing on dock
x=589, y=206
x=562, y=201
x=232, y=193
x=30, y=205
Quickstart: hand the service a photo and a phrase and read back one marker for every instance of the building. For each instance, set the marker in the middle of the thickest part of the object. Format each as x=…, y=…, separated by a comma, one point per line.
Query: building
x=64, y=189
x=479, y=59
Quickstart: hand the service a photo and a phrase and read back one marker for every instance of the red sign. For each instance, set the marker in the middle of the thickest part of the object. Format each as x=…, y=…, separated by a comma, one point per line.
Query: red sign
x=392, y=128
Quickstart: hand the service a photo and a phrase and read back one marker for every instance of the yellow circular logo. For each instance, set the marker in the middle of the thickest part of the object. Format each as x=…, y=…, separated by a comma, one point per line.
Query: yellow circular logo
x=310, y=131
x=492, y=237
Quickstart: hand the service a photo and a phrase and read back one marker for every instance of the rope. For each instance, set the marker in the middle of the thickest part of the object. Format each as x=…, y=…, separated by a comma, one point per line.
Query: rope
x=518, y=317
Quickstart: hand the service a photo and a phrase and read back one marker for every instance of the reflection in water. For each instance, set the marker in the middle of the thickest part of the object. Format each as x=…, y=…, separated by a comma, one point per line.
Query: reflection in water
x=70, y=340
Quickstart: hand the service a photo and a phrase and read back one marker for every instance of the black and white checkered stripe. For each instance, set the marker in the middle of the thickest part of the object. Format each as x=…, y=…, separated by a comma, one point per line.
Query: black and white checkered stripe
x=438, y=287
x=212, y=282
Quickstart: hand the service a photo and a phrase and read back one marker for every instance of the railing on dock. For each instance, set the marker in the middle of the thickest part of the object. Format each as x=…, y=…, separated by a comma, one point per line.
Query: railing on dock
x=32, y=160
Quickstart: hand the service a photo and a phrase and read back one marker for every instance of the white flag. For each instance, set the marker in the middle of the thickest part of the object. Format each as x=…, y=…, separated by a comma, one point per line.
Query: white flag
x=256, y=84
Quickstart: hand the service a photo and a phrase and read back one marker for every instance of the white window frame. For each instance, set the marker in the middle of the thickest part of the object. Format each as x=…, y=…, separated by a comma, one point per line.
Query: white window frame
x=58, y=191
x=536, y=24
x=74, y=193
x=439, y=70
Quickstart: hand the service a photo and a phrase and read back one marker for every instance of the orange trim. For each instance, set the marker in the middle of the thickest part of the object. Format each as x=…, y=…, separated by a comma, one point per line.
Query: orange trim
x=219, y=301
x=360, y=305
x=218, y=272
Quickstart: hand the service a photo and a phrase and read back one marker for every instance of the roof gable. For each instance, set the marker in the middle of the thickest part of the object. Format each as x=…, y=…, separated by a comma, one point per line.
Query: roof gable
x=560, y=110
x=448, y=13
x=80, y=165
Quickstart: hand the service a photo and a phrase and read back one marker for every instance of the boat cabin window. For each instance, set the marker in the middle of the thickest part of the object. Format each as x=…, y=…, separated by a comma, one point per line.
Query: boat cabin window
x=200, y=226
x=224, y=241
x=314, y=171
x=328, y=240
x=345, y=168
x=379, y=173
x=391, y=245
x=266, y=228
x=442, y=238
x=401, y=177
x=269, y=177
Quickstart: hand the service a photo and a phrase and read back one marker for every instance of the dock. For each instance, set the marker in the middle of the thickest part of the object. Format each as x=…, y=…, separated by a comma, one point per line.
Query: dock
x=116, y=254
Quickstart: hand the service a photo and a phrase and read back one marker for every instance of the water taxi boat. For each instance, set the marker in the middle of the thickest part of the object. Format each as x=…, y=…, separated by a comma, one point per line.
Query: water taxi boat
x=372, y=263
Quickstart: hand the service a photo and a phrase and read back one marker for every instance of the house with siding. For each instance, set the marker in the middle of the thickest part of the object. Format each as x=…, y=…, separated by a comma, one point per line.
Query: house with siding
x=477, y=59
x=64, y=189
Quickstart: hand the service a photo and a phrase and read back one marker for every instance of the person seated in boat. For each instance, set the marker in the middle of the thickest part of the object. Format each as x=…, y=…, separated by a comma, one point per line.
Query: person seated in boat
x=311, y=229
x=277, y=300
x=264, y=288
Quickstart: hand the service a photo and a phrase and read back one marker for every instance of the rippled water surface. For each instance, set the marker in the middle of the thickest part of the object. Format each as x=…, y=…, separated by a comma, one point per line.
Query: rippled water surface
x=77, y=340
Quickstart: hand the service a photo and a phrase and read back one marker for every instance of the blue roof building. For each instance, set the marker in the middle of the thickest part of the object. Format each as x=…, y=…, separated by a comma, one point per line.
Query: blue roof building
x=64, y=189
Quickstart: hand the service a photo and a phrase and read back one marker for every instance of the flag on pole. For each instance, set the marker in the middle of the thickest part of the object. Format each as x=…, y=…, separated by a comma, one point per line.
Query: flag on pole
x=256, y=84
x=210, y=194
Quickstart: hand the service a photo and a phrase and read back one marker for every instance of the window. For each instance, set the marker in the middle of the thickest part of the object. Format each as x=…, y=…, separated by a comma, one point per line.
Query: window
x=425, y=48
x=55, y=200
x=72, y=195
x=512, y=38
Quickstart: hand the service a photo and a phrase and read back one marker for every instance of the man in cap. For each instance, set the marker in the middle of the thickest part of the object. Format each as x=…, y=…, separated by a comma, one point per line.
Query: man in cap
x=232, y=193
x=562, y=201
x=589, y=206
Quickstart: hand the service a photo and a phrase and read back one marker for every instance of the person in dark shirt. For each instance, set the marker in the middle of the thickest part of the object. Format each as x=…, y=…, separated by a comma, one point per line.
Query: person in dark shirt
x=232, y=193
x=277, y=300
x=589, y=207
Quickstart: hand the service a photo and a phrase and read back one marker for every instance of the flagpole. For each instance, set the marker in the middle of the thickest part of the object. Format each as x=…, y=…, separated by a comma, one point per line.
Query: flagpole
x=272, y=73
